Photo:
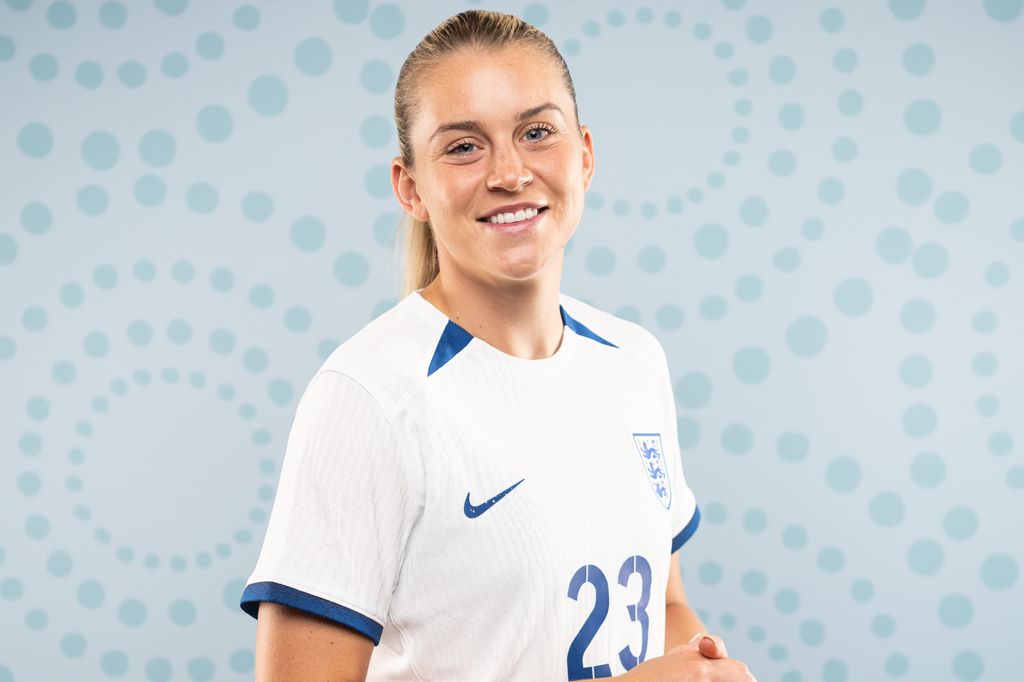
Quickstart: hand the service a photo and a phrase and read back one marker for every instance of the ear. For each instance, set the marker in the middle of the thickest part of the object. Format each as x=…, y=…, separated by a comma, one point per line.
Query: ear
x=404, y=186
x=588, y=157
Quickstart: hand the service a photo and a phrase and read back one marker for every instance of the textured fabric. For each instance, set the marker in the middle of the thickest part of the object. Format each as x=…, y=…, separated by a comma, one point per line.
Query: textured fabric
x=480, y=516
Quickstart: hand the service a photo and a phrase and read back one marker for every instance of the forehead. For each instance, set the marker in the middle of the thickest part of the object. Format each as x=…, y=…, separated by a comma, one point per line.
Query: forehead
x=488, y=85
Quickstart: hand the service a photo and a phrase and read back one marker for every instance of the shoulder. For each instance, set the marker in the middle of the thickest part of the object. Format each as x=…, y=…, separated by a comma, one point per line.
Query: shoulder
x=634, y=340
x=388, y=356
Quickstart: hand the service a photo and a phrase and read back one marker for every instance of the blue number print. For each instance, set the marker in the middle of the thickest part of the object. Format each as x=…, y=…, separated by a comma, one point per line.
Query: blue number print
x=638, y=611
x=593, y=575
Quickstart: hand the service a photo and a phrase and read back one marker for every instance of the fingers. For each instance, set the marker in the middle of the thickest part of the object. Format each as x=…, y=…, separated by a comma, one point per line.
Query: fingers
x=712, y=646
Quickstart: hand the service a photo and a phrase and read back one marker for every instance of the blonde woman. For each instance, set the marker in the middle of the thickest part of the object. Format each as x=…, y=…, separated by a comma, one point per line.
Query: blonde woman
x=484, y=482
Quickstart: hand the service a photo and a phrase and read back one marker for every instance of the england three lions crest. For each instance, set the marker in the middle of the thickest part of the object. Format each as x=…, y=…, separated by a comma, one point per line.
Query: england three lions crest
x=653, y=458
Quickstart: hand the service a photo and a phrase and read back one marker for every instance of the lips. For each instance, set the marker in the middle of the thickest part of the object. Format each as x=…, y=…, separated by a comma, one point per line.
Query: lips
x=540, y=210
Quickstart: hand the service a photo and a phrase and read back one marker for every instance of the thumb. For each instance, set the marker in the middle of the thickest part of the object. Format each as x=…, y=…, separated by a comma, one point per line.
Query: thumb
x=711, y=646
x=692, y=644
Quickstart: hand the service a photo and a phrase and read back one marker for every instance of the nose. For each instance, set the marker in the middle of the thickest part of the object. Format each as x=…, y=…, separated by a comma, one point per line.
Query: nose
x=507, y=171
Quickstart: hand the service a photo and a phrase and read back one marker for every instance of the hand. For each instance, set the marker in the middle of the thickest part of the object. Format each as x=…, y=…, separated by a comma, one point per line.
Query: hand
x=703, y=659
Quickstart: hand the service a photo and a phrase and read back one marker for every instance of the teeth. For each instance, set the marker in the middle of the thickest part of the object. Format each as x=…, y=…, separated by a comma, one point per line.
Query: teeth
x=516, y=217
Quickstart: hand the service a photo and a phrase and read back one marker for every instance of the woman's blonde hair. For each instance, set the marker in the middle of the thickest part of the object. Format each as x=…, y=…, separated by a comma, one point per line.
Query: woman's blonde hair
x=472, y=28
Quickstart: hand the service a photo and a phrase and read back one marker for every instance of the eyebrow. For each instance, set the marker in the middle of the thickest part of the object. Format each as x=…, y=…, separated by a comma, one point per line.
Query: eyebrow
x=474, y=126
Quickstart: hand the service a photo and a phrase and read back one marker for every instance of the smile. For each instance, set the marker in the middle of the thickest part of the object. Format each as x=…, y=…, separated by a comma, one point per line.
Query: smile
x=511, y=228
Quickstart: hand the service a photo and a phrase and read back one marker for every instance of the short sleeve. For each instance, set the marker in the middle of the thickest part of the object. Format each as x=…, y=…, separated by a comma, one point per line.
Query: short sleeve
x=346, y=501
x=684, y=509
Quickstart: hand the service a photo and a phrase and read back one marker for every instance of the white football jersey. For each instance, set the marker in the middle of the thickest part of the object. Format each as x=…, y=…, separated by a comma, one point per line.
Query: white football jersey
x=481, y=516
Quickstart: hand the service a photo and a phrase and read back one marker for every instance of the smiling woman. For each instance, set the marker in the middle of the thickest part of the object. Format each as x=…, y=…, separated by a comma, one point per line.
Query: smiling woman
x=485, y=481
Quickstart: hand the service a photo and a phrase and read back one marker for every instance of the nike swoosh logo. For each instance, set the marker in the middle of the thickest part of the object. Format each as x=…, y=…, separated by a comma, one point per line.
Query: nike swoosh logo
x=473, y=511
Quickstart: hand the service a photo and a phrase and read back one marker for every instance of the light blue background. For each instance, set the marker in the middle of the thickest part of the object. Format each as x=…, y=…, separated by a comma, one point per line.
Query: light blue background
x=816, y=206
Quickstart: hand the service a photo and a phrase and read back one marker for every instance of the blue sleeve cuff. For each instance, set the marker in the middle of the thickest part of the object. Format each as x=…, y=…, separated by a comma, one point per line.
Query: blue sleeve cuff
x=684, y=535
x=303, y=601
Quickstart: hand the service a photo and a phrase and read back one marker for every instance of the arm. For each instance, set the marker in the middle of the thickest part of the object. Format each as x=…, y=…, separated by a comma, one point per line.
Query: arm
x=294, y=645
x=681, y=623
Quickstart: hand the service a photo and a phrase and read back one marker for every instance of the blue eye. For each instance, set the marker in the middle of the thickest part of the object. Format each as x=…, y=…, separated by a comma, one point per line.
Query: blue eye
x=546, y=128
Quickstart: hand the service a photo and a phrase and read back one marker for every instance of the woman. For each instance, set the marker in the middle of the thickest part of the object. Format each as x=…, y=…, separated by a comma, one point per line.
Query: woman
x=484, y=482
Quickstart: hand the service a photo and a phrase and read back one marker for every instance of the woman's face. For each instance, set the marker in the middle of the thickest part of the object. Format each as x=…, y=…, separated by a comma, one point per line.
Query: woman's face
x=465, y=173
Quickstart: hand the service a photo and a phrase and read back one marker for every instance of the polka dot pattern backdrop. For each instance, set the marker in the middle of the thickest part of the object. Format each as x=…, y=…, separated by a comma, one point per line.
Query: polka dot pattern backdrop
x=816, y=209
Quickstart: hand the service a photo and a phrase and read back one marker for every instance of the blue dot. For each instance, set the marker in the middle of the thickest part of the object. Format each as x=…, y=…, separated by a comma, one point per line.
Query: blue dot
x=711, y=240
x=36, y=217
x=806, y=336
x=930, y=260
x=100, y=150
x=351, y=11
x=313, y=56
x=759, y=29
x=201, y=197
x=850, y=102
x=812, y=632
x=43, y=67
x=922, y=117
x=968, y=665
x=917, y=316
x=114, y=663
x=35, y=140
x=92, y=200
x=376, y=76
x=916, y=370
x=214, y=123
x=91, y=594
x=6, y=48
x=159, y=670
x=174, y=65
x=897, y=665
x=308, y=233
x=751, y=364
x=754, y=582
x=986, y=159
x=171, y=7
x=257, y=206
x=755, y=520
x=1003, y=10
x=887, y=509
x=782, y=69
x=222, y=341
x=72, y=645
x=844, y=149
x=89, y=75
x=925, y=557
x=157, y=148
x=787, y=600
x=710, y=573
x=651, y=259
x=132, y=74
x=210, y=45
x=792, y=447
x=132, y=612
x=854, y=296
x=246, y=18
x=600, y=260
x=113, y=15
x=913, y=186
x=832, y=20
x=999, y=572
x=960, y=523
x=843, y=473
x=906, y=9
x=387, y=21
x=376, y=131
x=894, y=245
x=267, y=95
x=200, y=669
x=831, y=559
x=883, y=625
x=537, y=14
x=61, y=15
x=845, y=60
x=754, y=211
x=794, y=537
x=782, y=163
x=149, y=190
x=862, y=590
x=221, y=279
x=919, y=59
x=182, y=612
x=831, y=191
x=951, y=207
x=956, y=611
x=59, y=563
